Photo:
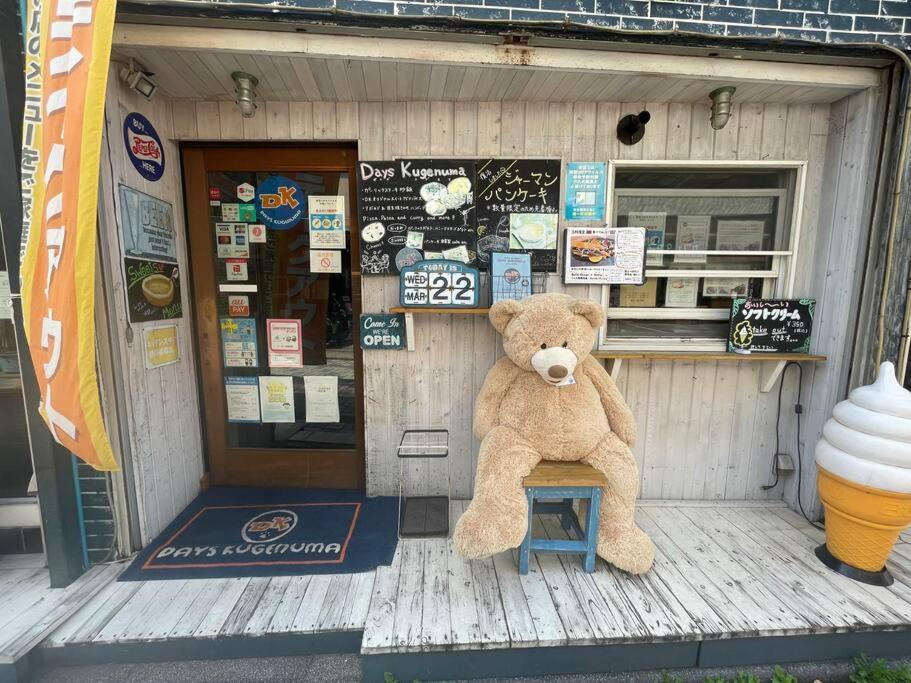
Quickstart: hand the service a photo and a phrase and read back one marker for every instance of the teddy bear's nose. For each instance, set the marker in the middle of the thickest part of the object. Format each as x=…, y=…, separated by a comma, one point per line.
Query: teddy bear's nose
x=557, y=371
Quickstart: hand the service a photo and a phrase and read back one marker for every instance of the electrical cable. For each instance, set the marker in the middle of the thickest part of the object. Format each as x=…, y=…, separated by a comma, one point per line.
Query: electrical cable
x=798, y=410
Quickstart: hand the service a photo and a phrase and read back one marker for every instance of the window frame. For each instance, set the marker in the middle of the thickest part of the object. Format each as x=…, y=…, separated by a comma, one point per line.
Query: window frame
x=778, y=280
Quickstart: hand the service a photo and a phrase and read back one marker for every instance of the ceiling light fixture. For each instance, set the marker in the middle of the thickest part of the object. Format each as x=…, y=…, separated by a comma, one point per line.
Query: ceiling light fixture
x=245, y=93
x=721, y=105
x=139, y=79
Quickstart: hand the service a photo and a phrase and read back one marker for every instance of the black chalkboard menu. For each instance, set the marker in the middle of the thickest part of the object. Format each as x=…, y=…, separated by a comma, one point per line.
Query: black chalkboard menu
x=518, y=203
x=771, y=325
x=416, y=209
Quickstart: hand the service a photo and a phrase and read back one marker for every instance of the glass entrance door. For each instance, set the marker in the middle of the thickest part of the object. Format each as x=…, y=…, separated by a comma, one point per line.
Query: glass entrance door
x=273, y=253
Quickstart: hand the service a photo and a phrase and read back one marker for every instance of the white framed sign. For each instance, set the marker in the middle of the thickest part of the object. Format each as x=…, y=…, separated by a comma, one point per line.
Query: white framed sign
x=604, y=256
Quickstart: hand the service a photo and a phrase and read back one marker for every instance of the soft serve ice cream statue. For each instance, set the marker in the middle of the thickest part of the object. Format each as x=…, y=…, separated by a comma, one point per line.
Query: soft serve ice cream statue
x=864, y=463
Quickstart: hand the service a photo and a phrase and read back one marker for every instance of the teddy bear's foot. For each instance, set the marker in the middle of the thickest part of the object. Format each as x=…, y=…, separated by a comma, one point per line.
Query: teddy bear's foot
x=485, y=530
x=627, y=548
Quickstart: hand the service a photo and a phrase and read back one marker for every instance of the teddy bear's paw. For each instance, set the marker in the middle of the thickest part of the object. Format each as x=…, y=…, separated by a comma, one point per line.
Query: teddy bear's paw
x=629, y=549
x=478, y=535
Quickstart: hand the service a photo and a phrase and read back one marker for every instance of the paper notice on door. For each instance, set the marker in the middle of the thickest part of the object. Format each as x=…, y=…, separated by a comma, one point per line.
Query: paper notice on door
x=284, y=343
x=6, y=304
x=325, y=261
x=231, y=240
x=276, y=399
x=327, y=222
x=242, y=397
x=322, y=398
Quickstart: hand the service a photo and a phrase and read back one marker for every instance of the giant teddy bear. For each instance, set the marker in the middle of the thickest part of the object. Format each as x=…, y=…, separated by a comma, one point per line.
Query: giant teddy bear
x=548, y=399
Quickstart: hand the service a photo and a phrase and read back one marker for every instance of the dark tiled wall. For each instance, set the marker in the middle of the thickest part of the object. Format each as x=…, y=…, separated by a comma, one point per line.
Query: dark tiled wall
x=828, y=21
x=96, y=510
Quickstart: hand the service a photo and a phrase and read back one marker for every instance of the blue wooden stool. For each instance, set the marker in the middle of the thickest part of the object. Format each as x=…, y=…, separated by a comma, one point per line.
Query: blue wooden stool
x=563, y=482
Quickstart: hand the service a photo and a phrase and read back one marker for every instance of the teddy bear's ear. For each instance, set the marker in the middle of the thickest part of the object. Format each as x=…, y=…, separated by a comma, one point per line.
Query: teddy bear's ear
x=588, y=309
x=502, y=312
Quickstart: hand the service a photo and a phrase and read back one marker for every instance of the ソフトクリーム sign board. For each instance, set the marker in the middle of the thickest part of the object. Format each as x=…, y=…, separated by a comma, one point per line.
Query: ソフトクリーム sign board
x=447, y=284
x=771, y=325
x=412, y=207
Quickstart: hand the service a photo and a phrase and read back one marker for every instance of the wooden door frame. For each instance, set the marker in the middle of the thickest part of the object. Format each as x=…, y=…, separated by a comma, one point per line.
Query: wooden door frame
x=198, y=159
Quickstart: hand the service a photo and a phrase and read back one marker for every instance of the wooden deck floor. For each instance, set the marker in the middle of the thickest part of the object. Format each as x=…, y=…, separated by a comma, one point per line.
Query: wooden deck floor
x=30, y=609
x=149, y=611
x=721, y=571
x=727, y=570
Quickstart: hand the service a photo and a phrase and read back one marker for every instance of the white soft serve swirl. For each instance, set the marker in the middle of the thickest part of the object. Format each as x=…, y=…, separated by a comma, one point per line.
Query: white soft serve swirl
x=868, y=439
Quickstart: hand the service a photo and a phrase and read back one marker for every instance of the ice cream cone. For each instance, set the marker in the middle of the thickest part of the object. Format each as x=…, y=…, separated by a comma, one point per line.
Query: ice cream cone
x=862, y=523
x=864, y=480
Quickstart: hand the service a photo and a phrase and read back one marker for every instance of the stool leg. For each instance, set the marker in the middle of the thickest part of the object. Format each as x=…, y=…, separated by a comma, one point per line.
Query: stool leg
x=591, y=529
x=566, y=516
x=525, y=548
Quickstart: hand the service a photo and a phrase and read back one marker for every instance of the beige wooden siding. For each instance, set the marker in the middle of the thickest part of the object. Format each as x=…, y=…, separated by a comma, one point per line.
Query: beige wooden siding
x=705, y=430
x=162, y=407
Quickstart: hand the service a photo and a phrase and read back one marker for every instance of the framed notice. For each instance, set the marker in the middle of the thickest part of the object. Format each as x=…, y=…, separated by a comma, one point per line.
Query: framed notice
x=276, y=399
x=242, y=399
x=692, y=235
x=771, y=325
x=681, y=292
x=321, y=394
x=605, y=256
x=446, y=284
x=284, y=339
x=238, y=343
x=161, y=345
x=655, y=223
x=327, y=222
x=644, y=296
x=432, y=197
x=739, y=235
x=518, y=206
x=585, y=182
x=146, y=226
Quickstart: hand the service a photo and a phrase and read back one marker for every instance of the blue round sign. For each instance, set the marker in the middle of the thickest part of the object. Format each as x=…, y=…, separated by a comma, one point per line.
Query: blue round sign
x=143, y=146
x=280, y=202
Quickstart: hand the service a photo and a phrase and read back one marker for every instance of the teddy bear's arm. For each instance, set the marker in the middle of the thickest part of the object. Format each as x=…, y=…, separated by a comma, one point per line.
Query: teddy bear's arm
x=487, y=405
x=618, y=413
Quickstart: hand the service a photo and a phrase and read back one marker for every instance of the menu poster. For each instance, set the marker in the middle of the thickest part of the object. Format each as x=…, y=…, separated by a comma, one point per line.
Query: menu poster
x=518, y=204
x=321, y=394
x=645, y=296
x=153, y=290
x=146, y=226
x=604, y=256
x=654, y=223
x=231, y=240
x=681, y=292
x=238, y=343
x=284, y=339
x=432, y=196
x=510, y=276
x=276, y=399
x=327, y=222
x=725, y=286
x=692, y=235
x=739, y=235
x=242, y=398
x=771, y=325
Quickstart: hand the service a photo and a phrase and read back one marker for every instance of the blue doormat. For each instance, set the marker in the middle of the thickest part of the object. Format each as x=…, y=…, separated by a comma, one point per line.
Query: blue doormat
x=235, y=532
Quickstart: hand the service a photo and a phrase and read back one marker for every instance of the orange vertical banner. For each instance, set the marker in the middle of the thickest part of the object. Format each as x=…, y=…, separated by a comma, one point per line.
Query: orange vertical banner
x=67, y=53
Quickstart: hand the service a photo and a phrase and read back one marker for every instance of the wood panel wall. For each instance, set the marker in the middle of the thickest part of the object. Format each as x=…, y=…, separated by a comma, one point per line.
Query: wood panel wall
x=705, y=429
x=163, y=438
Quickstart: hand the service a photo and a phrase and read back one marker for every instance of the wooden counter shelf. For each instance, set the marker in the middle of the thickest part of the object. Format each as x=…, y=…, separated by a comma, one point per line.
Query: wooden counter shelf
x=438, y=310
x=773, y=364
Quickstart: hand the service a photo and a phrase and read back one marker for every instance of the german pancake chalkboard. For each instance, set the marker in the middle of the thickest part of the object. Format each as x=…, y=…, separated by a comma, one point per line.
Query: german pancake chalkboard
x=518, y=203
x=771, y=325
x=415, y=209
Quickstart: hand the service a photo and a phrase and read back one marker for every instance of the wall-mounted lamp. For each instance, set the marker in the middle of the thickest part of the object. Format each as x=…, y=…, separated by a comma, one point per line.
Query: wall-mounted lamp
x=139, y=79
x=721, y=105
x=245, y=93
x=631, y=127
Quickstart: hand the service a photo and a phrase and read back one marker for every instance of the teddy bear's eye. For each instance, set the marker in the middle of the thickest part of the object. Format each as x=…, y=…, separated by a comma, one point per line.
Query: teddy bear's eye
x=543, y=346
x=565, y=344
